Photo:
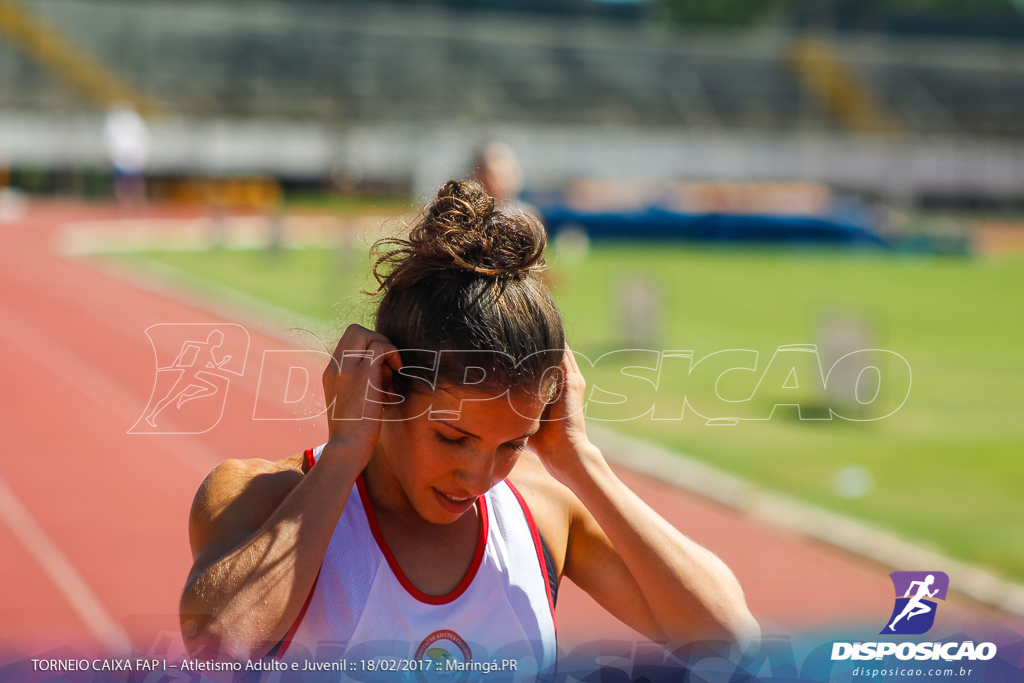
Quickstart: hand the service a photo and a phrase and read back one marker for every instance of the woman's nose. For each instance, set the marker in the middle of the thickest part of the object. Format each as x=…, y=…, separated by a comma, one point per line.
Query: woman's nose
x=475, y=481
x=477, y=474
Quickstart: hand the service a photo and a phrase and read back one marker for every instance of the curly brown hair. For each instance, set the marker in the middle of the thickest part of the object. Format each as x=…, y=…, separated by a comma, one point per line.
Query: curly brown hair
x=463, y=291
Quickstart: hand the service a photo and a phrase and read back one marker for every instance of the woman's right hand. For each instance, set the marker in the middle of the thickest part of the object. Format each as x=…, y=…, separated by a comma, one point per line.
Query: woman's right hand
x=355, y=385
x=259, y=529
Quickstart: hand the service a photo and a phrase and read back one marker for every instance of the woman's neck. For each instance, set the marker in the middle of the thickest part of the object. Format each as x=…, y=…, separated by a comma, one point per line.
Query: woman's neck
x=385, y=491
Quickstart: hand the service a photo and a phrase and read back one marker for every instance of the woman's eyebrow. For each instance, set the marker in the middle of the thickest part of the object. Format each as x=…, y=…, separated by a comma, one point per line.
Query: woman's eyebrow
x=458, y=429
x=463, y=431
x=528, y=434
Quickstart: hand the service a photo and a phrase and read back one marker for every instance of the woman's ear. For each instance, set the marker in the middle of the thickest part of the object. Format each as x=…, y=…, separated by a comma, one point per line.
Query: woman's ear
x=391, y=362
x=387, y=385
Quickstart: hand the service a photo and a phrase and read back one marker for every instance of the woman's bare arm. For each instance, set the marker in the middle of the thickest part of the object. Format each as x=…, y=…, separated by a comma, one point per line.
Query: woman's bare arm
x=632, y=561
x=252, y=570
x=687, y=592
x=259, y=530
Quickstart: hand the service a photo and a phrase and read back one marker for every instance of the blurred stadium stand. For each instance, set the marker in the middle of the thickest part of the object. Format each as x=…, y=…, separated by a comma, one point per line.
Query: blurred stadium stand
x=386, y=62
x=365, y=62
x=298, y=89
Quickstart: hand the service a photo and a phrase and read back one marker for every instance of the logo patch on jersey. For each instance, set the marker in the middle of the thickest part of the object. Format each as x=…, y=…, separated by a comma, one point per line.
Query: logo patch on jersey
x=444, y=655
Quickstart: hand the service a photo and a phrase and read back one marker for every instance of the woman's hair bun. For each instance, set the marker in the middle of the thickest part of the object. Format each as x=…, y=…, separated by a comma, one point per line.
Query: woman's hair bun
x=464, y=280
x=463, y=231
x=460, y=203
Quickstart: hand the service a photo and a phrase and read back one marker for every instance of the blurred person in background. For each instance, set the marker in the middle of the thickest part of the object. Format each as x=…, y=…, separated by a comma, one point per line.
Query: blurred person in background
x=126, y=137
x=497, y=168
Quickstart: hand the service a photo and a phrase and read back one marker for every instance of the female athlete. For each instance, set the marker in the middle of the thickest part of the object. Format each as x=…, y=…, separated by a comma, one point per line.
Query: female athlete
x=456, y=488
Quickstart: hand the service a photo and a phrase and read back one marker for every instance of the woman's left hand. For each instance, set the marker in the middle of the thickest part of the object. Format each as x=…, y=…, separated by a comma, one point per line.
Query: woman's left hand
x=621, y=552
x=562, y=443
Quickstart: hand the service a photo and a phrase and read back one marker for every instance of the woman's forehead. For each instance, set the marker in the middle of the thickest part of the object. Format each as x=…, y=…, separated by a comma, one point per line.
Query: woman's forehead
x=470, y=405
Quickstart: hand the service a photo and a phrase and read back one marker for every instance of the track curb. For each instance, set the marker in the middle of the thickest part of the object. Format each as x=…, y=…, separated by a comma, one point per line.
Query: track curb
x=688, y=473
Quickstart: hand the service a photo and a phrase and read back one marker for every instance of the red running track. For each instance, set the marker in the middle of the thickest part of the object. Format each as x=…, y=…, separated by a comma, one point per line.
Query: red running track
x=93, y=543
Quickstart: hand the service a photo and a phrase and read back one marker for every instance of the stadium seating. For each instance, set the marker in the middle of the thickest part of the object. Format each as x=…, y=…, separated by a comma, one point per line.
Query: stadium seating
x=371, y=63
x=378, y=62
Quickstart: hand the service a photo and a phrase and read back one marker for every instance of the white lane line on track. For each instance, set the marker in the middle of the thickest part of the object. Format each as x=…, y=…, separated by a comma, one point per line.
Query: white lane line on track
x=56, y=565
x=70, y=367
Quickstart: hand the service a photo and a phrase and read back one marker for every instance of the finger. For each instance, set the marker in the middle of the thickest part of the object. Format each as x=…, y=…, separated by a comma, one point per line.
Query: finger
x=360, y=345
x=379, y=337
x=368, y=337
x=358, y=354
x=382, y=356
x=394, y=360
x=347, y=340
x=387, y=353
x=571, y=358
x=357, y=337
x=376, y=356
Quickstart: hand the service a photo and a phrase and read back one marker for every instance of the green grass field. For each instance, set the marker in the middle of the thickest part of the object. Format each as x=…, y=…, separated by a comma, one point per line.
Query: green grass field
x=948, y=467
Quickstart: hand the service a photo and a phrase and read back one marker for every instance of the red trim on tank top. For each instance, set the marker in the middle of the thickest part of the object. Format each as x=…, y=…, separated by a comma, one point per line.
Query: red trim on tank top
x=415, y=592
x=535, y=532
x=288, y=637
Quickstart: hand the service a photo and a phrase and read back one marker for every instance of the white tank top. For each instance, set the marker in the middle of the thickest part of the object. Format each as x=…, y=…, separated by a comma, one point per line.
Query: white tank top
x=498, y=623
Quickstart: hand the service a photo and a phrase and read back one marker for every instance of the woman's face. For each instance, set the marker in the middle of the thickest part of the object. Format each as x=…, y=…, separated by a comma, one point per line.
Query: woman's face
x=451, y=446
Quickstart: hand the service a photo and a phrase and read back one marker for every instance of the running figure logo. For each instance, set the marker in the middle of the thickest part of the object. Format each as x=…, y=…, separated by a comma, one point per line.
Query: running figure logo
x=914, y=611
x=193, y=362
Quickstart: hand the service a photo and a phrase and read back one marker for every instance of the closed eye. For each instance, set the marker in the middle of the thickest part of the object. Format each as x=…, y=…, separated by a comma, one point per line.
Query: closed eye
x=516, y=446
x=449, y=442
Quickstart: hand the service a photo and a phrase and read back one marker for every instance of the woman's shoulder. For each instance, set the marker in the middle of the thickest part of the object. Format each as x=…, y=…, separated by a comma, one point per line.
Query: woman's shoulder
x=532, y=479
x=552, y=505
x=237, y=497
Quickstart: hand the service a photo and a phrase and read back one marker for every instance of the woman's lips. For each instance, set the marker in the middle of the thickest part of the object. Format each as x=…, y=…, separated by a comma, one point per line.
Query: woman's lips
x=454, y=504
